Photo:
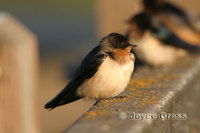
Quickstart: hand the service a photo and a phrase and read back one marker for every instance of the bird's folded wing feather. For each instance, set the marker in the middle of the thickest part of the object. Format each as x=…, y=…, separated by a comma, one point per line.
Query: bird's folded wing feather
x=168, y=37
x=173, y=10
x=86, y=70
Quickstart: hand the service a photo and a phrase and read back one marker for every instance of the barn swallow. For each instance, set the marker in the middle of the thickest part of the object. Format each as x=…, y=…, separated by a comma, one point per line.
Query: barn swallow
x=104, y=72
x=182, y=23
x=157, y=45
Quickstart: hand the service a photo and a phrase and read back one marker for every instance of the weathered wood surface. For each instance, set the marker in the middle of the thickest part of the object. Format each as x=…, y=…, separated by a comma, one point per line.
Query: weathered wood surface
x=18, y=77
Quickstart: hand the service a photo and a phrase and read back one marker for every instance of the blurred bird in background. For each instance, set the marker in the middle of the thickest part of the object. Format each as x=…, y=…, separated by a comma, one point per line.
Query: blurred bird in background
x=157, y=44
x=184, y=24
x=104, y=73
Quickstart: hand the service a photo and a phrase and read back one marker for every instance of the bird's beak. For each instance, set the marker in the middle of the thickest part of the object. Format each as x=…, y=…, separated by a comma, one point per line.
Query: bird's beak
x=133, y=45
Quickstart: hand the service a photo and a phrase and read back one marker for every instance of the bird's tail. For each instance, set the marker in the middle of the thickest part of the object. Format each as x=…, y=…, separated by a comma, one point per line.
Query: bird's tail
x=67, y=95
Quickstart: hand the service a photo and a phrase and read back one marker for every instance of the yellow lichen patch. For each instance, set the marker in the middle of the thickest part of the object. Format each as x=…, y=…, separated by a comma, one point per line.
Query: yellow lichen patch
x=164, y=86
x=104, y=101
x=119, y=109
x=151, y=100
x=137, y=94
x=144, y=98
x=93, y=114
x=114, y=100
x=141, y=83
x=148, y=82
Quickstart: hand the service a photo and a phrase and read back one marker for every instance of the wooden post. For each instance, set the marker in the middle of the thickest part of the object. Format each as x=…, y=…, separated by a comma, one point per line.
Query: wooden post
x=18, y=77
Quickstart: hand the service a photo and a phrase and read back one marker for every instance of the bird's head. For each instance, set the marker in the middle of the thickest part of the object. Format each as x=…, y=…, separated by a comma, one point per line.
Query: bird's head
x=115, y=41
x=139, y=23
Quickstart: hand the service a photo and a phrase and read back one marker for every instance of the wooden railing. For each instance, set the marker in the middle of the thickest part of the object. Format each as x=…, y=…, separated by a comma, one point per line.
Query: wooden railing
x=169, y=96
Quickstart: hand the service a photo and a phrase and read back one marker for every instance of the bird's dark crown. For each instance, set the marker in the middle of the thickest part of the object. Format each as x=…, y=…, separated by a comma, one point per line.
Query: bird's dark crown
x=142, y=21
x=115, y=41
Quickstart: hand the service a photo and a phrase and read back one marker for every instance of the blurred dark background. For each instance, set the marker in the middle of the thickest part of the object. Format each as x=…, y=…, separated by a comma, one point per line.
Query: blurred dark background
x=60, y=25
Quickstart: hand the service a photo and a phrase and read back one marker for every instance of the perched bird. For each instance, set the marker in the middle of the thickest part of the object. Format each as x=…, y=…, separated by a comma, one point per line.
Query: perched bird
x=157, y=45
x=184, y=24
x=104, y=72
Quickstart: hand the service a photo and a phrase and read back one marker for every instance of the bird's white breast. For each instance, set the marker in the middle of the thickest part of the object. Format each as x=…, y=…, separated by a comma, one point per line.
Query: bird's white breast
x=152, y=51
x=110, y=80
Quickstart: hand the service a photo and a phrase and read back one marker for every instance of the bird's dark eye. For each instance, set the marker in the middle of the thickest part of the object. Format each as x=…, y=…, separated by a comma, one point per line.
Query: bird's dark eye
x=126, y=44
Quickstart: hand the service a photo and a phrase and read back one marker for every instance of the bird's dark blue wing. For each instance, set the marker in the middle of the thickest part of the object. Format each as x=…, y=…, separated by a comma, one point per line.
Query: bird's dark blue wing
x=86, y=70
x=89, y=65
x=173, y=10
x=167, y=7
x=173, y=40
x=166, y=36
